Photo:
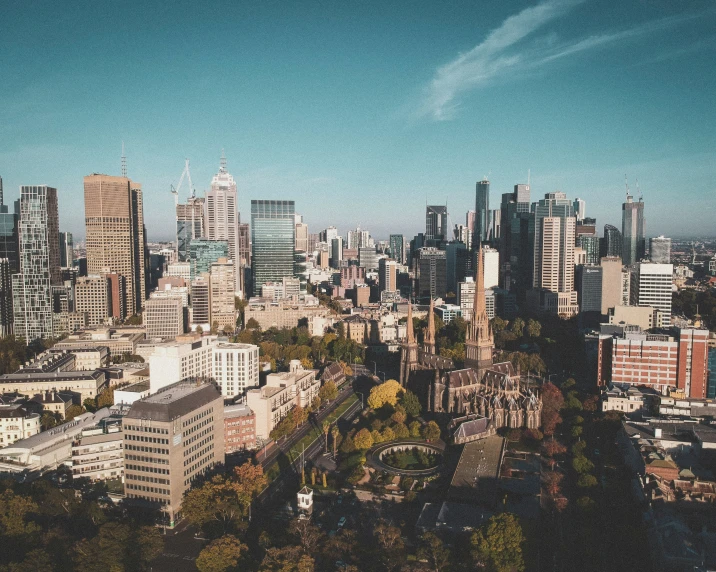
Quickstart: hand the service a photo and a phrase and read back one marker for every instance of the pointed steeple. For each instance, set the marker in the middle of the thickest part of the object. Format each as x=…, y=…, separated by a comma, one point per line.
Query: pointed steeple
x=479, y=306
x=408, y=350
x=429, y=333
x=410, y=335
x=479, y=342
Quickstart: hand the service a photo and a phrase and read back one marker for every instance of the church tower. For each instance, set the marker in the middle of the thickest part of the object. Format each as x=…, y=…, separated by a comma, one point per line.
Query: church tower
x=429, y=332
x=409, y=350
x=479, y=343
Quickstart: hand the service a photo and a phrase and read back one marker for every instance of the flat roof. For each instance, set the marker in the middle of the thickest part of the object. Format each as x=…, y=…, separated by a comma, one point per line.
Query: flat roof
x=237, y=410
x=138, y=387
x=50, y=376
x=477, y=471
x=173, y=401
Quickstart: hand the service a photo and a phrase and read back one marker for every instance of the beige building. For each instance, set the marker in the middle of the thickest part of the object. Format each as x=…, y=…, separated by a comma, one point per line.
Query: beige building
x=92, y=296
x=119, y=340
x=170, y=438
x=114, y=221
x=222, y=284
x=164, y=317
x=611, y=283
x=282, y=392
x=87, y=358
x=54, y=402
x=186, y=358
x=200, y=302
x=642, y=316
x=283, y=314
x=83, y=384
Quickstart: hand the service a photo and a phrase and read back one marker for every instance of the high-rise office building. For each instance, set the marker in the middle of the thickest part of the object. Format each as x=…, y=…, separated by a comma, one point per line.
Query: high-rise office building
x=612, y=295
x=432, y=274
x=337, y=252
x=164, y=317
x=221, y=283
x=482, y=211
x=387, y=275
x=32, y=288
x=115, y=234
x=554, y=243
x=67, y=255
x=457, y=264
x=491, y=267
x=651, y=285
x=589, y=280
x=301, y=234
x=368, y=258
x=358, y=238
x=222, y=216
x=203, y=252
x=235, y=367
x=579, y=209
x=660, y=250
x=633, y=227
x=6, y=317
x=495, y=228
x=397, y=248
x=163, y=452
x=328, y=235
x=9, y=239
x=611, y=243
x=272, y=240
x=200, y=302
x=590, y=244
x=93, y=297
x=244, y=244
x=190, y=225
x=516, y=240
x=436, y=225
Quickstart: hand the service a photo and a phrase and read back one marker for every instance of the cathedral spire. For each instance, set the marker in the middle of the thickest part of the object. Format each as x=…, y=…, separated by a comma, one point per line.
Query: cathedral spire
x=409, y=324
x=429, y=334
x=479, y=306
x=479, y=343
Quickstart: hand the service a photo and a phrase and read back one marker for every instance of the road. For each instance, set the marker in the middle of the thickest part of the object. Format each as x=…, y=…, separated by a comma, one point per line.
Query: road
x=285, y=444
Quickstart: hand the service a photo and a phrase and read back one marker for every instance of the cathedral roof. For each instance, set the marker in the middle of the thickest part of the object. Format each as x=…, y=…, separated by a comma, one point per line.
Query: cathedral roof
x=462, y=378
x=436, y=361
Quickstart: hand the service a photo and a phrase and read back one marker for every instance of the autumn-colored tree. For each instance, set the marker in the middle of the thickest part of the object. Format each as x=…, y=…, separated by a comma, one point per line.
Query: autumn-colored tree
x=591, y=403
x=431, y=431
x=414, y=428
x=399, y=415
x=221, y=555
x=106, y=398
x=287, y=559
x=388, y=434
x=587, y=481
x=328, y=391
x=552, y=483
x=384, y=394
x=73, y=411
x=363, y=439
x=552, y=400
x=401, y=431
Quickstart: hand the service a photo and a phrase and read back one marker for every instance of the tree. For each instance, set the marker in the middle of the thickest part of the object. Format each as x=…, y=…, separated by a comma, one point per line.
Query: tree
x=287, y=559
x=253, y=324
x=326, y=429
x=308, y=535
x=401, y=431
x=552, y=481
x=363, y=439
x=90, y=405
x=410, y=403
x=552, y=400
x=328, y=391
x=388, y=434
x=399, y=415
x=499, y=543
x=106, y=398
x=534, y=328
x=347, y=445
x=15, y=511
x=385, y=393
x=434, y=551
x=335, y=433
x=73, y=411
x=576, y=431
x=582, y=465
x=587, y=481
x=591, y=403
x=431, y=431
x=517, y=327
x=119, y=547
x=49, y=420
x=391, y=543
x=552, y=448
x=414, y=428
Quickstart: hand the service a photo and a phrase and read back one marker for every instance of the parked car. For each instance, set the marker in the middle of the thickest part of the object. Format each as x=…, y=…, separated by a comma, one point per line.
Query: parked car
x=342, y=522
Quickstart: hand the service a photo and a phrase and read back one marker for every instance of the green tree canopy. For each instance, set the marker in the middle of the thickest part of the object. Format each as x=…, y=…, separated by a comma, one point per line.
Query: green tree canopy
x=221, y=555
x=499, y=544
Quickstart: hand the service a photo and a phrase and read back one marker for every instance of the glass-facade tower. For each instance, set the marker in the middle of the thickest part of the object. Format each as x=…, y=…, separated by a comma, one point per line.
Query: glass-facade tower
x=204, y=252
x=272, y=240
x=482, y=211
x=633, y=227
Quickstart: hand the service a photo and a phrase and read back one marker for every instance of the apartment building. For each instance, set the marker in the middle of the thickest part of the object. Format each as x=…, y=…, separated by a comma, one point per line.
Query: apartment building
x=97, y=452
x=239, y=428
x=282, y=392
x=17, y=423
x=235, y=367
x=83, y=384
x=186, y=358
x=170, y=438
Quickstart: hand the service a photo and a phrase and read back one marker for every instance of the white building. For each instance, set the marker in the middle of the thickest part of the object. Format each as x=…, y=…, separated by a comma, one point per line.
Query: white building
x=49, y=449
x=179, y=270
x=97, y=452
x=235, y=367
x=651, y=285
x=171, y=362
x=466, y=296
x=17, y=423
x=491, y=266
x=282, y=392
x=164, y=317
x=87, y=358
x=130, y=393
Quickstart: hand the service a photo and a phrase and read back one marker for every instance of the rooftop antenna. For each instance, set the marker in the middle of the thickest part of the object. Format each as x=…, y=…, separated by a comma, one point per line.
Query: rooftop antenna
x=222, y=168
x=124, y=162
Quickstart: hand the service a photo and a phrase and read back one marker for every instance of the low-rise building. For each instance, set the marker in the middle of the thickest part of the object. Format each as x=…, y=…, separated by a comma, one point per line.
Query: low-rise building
x=170, y=438
x=17, y=423
x=282, y=392
x=130, y=393
x=54, y=401
x=239, y=428
x=284, y=313
x=628, y=399
x=83, y=384
x=97, y=452
x=88, y=357
x=119, y=340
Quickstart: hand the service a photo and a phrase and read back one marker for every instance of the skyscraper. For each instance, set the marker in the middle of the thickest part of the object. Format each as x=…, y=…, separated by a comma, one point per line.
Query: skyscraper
x=633, y=227
x=67, y=255
x=39, y=264
x=651, y=286
x=9, y=239
x=272, y=240
x=580, y=209
x=222, y=216
x=301, y=234
x=115, y=235
x=611, y=243
x=436, y=225
x=516, y=240
x=397, y=248
x=660, y=250
x=190, y=225
x=432, y=273
x=482, y=211
x=204, y=252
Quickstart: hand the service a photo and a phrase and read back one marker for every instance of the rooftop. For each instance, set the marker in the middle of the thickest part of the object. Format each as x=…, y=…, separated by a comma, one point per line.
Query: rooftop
x=174, y=401
x=21, y=376
x=238, y=410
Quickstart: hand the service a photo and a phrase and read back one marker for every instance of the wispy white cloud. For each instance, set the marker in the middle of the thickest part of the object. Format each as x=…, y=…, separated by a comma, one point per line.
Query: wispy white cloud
x=512, y=48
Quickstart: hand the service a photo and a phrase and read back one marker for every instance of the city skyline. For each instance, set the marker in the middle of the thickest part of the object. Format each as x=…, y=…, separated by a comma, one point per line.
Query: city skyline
x=578, y=93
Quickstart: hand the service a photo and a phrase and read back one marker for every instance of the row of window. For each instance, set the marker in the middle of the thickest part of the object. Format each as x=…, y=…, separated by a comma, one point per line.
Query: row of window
x=147, y=449
x=197, y=417
x=146, y=479
x=199, y=456
x=141, y=428
x=194, y=438
x=144, y=459
x=198, y=426
x=145, y=488
x=144, y=439
x=146, y=469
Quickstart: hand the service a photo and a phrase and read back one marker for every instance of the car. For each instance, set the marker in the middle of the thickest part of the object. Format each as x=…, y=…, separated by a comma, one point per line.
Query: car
x=596, y=452
x=342, y=522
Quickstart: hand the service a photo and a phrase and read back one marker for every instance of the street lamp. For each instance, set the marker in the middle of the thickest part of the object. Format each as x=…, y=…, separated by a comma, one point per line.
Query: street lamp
x=361, y=400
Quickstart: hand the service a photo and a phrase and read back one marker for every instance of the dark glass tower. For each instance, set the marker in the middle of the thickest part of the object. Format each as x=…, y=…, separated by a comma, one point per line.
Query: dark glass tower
x=272, y=241
x=633, y=226
x=611, y=243
x=482, y=210
x=436, y=223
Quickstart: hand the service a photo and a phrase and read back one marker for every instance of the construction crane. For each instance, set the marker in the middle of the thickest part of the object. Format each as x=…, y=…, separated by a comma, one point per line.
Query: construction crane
x=185, y=174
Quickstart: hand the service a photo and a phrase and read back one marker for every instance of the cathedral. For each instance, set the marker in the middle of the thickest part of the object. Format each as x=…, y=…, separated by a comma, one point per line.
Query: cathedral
x=492, y=390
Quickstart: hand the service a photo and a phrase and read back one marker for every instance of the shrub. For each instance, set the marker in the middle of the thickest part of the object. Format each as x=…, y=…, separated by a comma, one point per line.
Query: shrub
x=401, y=431
x=534, y=434
x=414, y=428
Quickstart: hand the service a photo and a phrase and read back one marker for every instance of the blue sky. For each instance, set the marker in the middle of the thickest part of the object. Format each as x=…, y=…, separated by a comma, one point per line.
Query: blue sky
x=362, y=111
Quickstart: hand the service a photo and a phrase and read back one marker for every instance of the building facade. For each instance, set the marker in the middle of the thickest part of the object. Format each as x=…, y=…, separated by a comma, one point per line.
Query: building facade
x=633, y=228
x=164, y=317
x=235, y=367
x=272, y=240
